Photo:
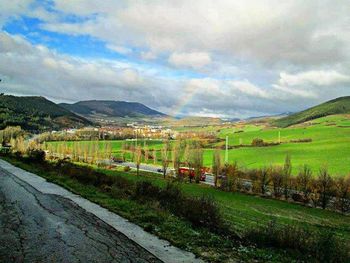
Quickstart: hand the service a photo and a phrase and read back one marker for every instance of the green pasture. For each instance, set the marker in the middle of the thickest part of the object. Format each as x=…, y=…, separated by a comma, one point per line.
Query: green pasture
x=330, y=145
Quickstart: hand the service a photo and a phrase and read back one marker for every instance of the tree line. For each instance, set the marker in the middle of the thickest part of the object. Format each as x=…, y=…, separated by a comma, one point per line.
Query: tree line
x=317, y=190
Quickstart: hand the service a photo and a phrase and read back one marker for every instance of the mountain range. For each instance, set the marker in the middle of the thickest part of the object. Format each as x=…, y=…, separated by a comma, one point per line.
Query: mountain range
x=36, y=114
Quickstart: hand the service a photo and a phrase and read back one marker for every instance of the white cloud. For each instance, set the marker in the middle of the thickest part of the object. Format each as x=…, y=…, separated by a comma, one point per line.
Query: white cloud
x=298, y=32
x=120, y=49
x=252, y=57
x=148, y=55
x=249, y=89
x=194, y=60
x=12, y=9
x=29, y=69
x=314, y=77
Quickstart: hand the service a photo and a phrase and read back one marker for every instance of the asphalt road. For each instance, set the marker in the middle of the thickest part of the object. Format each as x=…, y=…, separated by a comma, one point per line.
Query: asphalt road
x=37, y=227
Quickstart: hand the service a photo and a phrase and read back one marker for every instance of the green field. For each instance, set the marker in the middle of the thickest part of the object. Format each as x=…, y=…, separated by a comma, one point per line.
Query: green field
x=330, y=145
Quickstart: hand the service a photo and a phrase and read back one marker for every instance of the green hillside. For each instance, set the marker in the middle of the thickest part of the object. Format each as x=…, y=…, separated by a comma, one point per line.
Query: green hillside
x=36, y=114
x=337, y=106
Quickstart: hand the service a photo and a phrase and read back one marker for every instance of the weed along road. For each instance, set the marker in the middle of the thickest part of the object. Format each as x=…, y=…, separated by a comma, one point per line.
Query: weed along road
x=47, y=226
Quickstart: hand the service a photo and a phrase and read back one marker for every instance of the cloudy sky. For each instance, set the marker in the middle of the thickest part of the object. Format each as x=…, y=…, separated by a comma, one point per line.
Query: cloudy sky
x=221, y=58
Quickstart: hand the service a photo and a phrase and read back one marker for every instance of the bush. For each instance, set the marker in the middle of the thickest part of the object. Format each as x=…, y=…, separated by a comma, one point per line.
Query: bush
x=324, y=246
x=171, y=197
x=304, y=140
x=203, y=212
x=146, y=190
x=36, y=155
x=127, y=168
x=257, y=142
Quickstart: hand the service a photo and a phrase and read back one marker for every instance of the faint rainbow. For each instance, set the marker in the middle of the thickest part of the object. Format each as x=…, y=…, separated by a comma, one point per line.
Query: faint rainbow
x=190, y=91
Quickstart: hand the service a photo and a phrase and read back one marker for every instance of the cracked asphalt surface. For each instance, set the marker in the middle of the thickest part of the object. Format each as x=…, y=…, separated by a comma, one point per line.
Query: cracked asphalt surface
x=37, y=227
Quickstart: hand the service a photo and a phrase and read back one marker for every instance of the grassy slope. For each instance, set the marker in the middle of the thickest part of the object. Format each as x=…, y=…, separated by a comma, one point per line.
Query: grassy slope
x=337, y=106
x=330, y=145
x=245, y=211
x=241, y=211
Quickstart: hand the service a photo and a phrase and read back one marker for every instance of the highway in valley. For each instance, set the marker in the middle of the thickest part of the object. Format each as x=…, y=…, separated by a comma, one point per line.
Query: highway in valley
x=37, y=227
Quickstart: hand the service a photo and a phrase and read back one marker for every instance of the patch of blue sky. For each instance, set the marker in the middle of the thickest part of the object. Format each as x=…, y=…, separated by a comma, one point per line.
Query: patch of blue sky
x=87, y=47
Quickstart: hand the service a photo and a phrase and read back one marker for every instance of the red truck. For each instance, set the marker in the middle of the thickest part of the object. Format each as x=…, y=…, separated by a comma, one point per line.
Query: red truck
x=186, y=171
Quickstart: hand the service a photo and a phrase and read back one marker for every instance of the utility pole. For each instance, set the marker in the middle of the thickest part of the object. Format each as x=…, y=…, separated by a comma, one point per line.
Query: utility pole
x=226, y=152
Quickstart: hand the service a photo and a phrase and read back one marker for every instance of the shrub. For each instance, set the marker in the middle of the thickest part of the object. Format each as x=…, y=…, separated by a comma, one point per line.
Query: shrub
x=127, y=168
x=199, y=211
x=304, y=140
x=324, y=246
x=146, y=190
x=257, y=142
x=171, y=197
x=36, y=155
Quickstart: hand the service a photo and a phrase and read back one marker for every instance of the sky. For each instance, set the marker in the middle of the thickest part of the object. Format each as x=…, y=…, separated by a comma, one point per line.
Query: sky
x=222, y=58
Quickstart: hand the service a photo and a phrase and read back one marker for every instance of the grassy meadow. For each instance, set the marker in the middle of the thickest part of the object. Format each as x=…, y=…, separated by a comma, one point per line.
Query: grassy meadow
x=330, y=145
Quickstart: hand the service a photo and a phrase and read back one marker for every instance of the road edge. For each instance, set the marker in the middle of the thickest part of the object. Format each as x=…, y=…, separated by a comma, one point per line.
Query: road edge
x=160, y=248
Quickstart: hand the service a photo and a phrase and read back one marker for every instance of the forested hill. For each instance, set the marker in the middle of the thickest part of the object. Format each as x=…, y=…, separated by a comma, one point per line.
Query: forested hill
x=111, y=108
x=337, y=106
x=36, y=114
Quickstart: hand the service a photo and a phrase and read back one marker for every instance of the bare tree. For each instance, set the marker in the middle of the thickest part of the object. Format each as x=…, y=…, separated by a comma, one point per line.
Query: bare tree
x=325, y=187
x=146, y=153
x=287, y=172
x=231, y=181
x=165, y=157
x=264, y=179
x=304, y=180
x=138, y=158
x=277, y=180
x=197, y=160
x=187, y=154
x=154, y=155
x=109, y=152
x=176, y=157
x=216, y=165
x=342, y=187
